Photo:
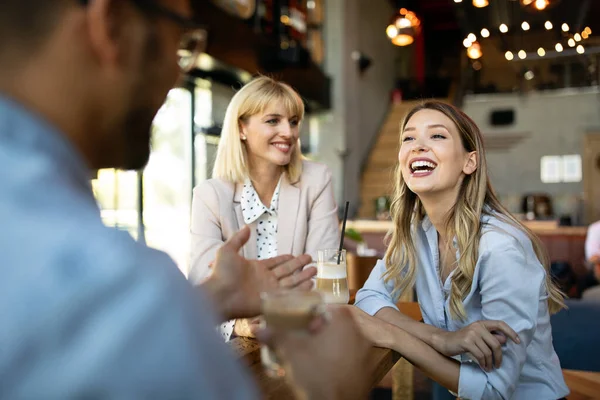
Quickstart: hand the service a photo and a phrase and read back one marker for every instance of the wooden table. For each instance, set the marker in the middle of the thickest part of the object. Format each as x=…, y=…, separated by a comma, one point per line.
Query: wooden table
x=380, y=363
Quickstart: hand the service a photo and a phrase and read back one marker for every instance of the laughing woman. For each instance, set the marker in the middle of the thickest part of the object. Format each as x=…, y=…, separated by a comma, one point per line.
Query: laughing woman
x=480, y=275
x=260, y=179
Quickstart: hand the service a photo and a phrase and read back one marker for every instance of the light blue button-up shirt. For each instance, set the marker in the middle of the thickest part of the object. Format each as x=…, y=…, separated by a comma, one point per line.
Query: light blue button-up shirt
x=85, y=311
x=508, y=285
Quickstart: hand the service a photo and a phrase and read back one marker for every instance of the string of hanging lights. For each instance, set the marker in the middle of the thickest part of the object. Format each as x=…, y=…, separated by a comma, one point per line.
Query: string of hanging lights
x=474, y=47
x=539, y=5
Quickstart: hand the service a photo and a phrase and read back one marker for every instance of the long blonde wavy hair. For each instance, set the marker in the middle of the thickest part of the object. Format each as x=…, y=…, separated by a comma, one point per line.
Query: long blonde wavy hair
x=475, y=198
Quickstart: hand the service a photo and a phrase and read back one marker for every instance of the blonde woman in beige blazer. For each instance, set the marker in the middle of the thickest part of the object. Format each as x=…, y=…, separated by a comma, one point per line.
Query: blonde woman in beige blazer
x=261, y=180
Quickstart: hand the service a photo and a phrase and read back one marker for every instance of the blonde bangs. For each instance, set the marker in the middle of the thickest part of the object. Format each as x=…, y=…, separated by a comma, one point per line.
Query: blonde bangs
x=275, y=93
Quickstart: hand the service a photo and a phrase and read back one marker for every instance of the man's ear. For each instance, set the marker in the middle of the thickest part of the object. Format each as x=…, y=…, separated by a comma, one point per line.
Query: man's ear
x=106, y=23
x=471, y=163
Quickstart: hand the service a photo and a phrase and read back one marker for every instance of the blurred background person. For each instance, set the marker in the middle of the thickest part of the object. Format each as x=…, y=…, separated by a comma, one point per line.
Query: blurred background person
x=588, y=284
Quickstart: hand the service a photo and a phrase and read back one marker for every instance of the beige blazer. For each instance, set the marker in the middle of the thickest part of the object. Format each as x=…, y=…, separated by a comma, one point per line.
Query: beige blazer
x=306, y=220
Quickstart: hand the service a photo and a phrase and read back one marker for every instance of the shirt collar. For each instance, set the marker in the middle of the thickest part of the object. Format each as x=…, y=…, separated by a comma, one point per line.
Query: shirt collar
x=26, y=131
x=427, y=225
x=252, y=207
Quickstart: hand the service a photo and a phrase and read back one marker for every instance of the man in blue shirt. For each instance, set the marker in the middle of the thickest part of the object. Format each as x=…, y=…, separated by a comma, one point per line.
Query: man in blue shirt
x=85, y=311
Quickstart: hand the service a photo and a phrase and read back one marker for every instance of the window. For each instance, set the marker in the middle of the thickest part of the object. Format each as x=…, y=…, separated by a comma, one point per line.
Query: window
x=555, y=169
x=167, y=179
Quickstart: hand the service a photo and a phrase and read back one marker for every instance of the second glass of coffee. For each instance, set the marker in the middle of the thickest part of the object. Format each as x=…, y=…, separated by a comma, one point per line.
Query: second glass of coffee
x=332, y=278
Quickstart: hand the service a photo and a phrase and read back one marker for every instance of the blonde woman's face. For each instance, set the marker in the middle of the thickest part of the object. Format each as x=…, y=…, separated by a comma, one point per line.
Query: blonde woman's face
x=432, y=158
x=271, y=136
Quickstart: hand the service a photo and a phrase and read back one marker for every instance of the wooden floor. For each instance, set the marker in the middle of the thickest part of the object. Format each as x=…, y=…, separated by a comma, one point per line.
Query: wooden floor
x=583, y=385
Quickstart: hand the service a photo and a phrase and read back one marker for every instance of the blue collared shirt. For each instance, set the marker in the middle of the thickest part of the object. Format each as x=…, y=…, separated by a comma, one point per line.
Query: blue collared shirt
x=85, y=311
x=508, y=285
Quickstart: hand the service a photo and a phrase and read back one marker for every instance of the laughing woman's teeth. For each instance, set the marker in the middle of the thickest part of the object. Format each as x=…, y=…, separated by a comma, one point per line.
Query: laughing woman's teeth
x=422, y=165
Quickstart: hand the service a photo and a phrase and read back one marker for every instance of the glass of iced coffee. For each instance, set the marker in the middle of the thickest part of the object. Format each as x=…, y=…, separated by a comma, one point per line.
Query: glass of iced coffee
x=332, y=277
x=288, y=310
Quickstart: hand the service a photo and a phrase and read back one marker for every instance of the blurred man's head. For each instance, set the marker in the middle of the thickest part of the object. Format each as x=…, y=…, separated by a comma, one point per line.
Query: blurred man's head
x=98, y=69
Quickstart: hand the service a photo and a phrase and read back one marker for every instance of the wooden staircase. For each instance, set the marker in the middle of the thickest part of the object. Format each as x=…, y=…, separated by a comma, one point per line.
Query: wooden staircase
x=378, y=175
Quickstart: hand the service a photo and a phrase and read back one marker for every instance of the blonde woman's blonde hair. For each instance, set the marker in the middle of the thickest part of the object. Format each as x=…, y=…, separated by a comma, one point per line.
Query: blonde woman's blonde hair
x=231, y=163
x=476, y=198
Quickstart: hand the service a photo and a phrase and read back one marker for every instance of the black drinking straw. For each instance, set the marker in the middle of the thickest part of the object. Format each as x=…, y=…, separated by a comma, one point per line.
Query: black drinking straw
x=343, y=232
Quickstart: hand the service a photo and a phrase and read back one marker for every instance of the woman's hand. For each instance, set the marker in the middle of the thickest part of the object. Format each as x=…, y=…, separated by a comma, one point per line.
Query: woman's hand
x=245, y=327
x=482, y=339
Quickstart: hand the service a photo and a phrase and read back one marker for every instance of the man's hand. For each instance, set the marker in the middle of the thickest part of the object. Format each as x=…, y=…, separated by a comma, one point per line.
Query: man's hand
x=327, y=364
x=236, y=283
x=482, y=339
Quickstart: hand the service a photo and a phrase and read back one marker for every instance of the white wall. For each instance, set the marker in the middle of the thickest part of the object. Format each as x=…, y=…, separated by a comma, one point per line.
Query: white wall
x=359, y=101
x=551, y=123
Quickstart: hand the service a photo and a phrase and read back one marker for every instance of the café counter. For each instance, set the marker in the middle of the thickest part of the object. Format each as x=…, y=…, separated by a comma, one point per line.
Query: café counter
x=563, y=243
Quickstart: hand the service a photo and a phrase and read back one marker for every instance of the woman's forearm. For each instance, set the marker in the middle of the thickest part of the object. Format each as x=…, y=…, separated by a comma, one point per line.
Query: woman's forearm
x=444, y=370
x=425, y=332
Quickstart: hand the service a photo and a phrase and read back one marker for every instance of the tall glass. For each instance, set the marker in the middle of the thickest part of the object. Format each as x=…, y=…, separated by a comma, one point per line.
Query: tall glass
x=332, y=277
x=289, y=310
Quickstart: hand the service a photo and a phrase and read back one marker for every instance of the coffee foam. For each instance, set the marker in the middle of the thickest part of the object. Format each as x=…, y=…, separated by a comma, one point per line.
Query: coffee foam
x=330, y=298
x=332, y=271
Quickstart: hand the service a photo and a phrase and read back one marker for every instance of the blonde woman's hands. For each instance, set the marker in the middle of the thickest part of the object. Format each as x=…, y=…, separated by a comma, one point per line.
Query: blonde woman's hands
x=245, y=327
x=483, y=340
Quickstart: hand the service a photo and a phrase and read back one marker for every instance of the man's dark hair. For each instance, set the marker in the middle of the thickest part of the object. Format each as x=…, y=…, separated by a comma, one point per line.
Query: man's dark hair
x=25, y=25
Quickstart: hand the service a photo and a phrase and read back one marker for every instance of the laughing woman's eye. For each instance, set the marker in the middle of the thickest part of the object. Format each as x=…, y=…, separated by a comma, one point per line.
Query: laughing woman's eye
x=294, y=122
x=273, y=121
x=407, y=138
x=438, y=136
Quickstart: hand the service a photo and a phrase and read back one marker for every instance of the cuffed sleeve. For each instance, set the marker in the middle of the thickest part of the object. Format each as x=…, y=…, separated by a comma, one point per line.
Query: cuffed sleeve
x=226, y=329
x=376, y=294
x=472, y=382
